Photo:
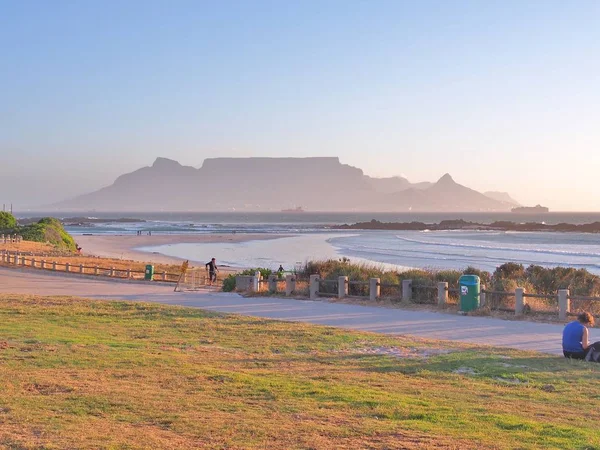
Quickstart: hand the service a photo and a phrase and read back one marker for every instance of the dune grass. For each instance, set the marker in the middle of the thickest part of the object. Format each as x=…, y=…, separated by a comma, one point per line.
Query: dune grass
x=86, y=374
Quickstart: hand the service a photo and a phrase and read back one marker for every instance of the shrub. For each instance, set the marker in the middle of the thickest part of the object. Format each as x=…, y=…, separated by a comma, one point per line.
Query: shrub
x=49, y=230
x=7, y=221
x=229, y=283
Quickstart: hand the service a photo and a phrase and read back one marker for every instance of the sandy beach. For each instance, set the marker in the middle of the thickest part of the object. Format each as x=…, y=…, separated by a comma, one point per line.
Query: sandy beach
x=127, y=247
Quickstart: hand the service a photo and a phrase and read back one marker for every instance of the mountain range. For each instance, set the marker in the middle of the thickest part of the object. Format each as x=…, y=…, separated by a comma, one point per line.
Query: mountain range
x=273, y=184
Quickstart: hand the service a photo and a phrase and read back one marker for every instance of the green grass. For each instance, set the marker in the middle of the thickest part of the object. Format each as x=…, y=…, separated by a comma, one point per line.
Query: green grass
x=86, y=374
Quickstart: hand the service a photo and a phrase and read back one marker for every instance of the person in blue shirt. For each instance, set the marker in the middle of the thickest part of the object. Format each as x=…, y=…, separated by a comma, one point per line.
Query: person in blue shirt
x=575, y=340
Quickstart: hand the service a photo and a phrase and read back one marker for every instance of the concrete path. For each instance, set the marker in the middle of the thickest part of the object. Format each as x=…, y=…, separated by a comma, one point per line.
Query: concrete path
x=478, y=330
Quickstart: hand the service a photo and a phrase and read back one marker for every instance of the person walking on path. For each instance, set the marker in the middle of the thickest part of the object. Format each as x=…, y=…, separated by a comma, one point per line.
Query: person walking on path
x=575, y=340
x=212, y=269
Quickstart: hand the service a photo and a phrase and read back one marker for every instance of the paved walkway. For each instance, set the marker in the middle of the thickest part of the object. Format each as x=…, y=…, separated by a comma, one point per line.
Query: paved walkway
x=478, y=330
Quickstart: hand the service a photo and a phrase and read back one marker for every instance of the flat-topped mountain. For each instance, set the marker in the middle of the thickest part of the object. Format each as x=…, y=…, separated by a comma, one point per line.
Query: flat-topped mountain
x=273, y=184
x=502, y=197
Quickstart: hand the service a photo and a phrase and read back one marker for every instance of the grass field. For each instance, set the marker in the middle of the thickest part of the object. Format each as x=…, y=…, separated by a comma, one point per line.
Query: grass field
x=87, y=374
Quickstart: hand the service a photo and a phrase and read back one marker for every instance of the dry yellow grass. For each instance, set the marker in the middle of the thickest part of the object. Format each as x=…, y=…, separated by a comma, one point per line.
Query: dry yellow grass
x=27, y=246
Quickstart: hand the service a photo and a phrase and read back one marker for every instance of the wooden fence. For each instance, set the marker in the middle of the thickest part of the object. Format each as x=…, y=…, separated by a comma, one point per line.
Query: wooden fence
x=405, y=290
x=18, y=260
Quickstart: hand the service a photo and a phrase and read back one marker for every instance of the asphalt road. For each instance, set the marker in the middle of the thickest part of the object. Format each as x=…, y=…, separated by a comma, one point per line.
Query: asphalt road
x=478, y=330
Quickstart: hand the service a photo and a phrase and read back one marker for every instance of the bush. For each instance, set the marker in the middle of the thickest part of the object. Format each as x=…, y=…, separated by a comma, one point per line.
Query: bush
x=7, y=221
x=49, y=230
x=229, y=283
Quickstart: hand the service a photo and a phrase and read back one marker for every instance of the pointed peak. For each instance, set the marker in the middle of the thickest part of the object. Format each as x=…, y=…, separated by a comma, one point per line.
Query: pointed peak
x=165, y=162
x=446, y=179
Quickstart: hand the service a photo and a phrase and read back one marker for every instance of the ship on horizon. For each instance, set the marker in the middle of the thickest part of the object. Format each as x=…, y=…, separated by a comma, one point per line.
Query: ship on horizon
x=298, y=209
x=530, y=209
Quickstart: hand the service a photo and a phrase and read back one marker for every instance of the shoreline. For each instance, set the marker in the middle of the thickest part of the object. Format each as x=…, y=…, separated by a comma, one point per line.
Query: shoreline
x=462, y=225
x=127, y=247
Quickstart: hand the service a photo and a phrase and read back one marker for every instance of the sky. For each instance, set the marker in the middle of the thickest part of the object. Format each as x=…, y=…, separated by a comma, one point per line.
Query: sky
x=504, y=95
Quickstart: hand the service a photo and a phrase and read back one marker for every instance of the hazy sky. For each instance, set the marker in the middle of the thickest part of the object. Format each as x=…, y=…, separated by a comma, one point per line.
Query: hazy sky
x=504, y=95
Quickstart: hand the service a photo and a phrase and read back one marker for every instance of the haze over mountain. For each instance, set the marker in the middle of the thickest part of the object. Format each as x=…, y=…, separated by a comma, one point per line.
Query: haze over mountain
x=502, y=197
x=273, y=184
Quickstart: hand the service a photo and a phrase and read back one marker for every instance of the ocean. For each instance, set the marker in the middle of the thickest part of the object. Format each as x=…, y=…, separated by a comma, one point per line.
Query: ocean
x=309, y=236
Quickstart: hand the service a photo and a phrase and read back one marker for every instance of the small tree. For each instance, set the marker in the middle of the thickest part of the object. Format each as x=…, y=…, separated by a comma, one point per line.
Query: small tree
x=7, y=221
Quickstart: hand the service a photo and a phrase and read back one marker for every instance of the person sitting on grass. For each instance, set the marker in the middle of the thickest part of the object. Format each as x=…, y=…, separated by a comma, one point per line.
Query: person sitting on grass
x=575, y=340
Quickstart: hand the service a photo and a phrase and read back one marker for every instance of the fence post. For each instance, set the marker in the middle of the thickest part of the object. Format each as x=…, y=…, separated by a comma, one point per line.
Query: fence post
x=16, y=259
x=314, y=287
x=96, y=269
x=374, y=288
x=112, y=272
x=272, y=283
x=406, y=290
x=290, y=284
x=164, y=276
x=128, y=273
x=482, y=296
x=342, y=287
x=519, y=301
x=564, y=304
x=33, y=262
x=442, y=293
x=43, y=264
x=67, y=267
x=54, y=265
x=255, y=284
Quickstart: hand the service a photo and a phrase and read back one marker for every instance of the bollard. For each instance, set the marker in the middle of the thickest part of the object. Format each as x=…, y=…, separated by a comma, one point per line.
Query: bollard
x=272, y=283
x=374, y=289
x=80, y=268
x=164, y=276
x=128, y=273
x=482, y=299
x=406, y=290
x=96, y=270
x=290, y=284
x=112, y=272
x=67, y=267
x=255, y=283
x=314, y=287
x=442, y=293
x=16, y=259
x=519, y=301
x=564, y=304
x=342, y=287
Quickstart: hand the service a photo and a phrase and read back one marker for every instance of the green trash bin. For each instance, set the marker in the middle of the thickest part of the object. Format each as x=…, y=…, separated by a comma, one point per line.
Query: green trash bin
x=470, y=289
x=149, y=274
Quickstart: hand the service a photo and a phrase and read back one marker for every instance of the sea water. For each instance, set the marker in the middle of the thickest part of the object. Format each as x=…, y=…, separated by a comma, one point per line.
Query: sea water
x=434, y=250
x=310, y=236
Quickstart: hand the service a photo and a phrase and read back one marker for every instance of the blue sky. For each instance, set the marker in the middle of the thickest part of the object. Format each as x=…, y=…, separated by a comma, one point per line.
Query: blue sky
x=503, y=95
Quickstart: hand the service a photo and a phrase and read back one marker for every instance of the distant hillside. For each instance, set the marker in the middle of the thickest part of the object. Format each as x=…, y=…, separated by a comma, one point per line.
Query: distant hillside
x=273, y=184
x=502, y=197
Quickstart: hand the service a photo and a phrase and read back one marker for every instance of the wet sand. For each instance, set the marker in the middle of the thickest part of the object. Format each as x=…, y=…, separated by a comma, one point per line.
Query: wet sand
x=127, y=247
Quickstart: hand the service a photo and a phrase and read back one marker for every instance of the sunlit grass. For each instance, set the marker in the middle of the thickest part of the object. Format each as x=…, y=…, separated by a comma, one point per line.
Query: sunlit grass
x=86, y=374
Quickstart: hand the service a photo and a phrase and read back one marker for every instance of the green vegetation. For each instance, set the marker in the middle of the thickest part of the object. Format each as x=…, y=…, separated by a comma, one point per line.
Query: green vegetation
x=229, y=281
x=535, y=279
x=91, y=374
x=7, y=221
x=47, y=229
